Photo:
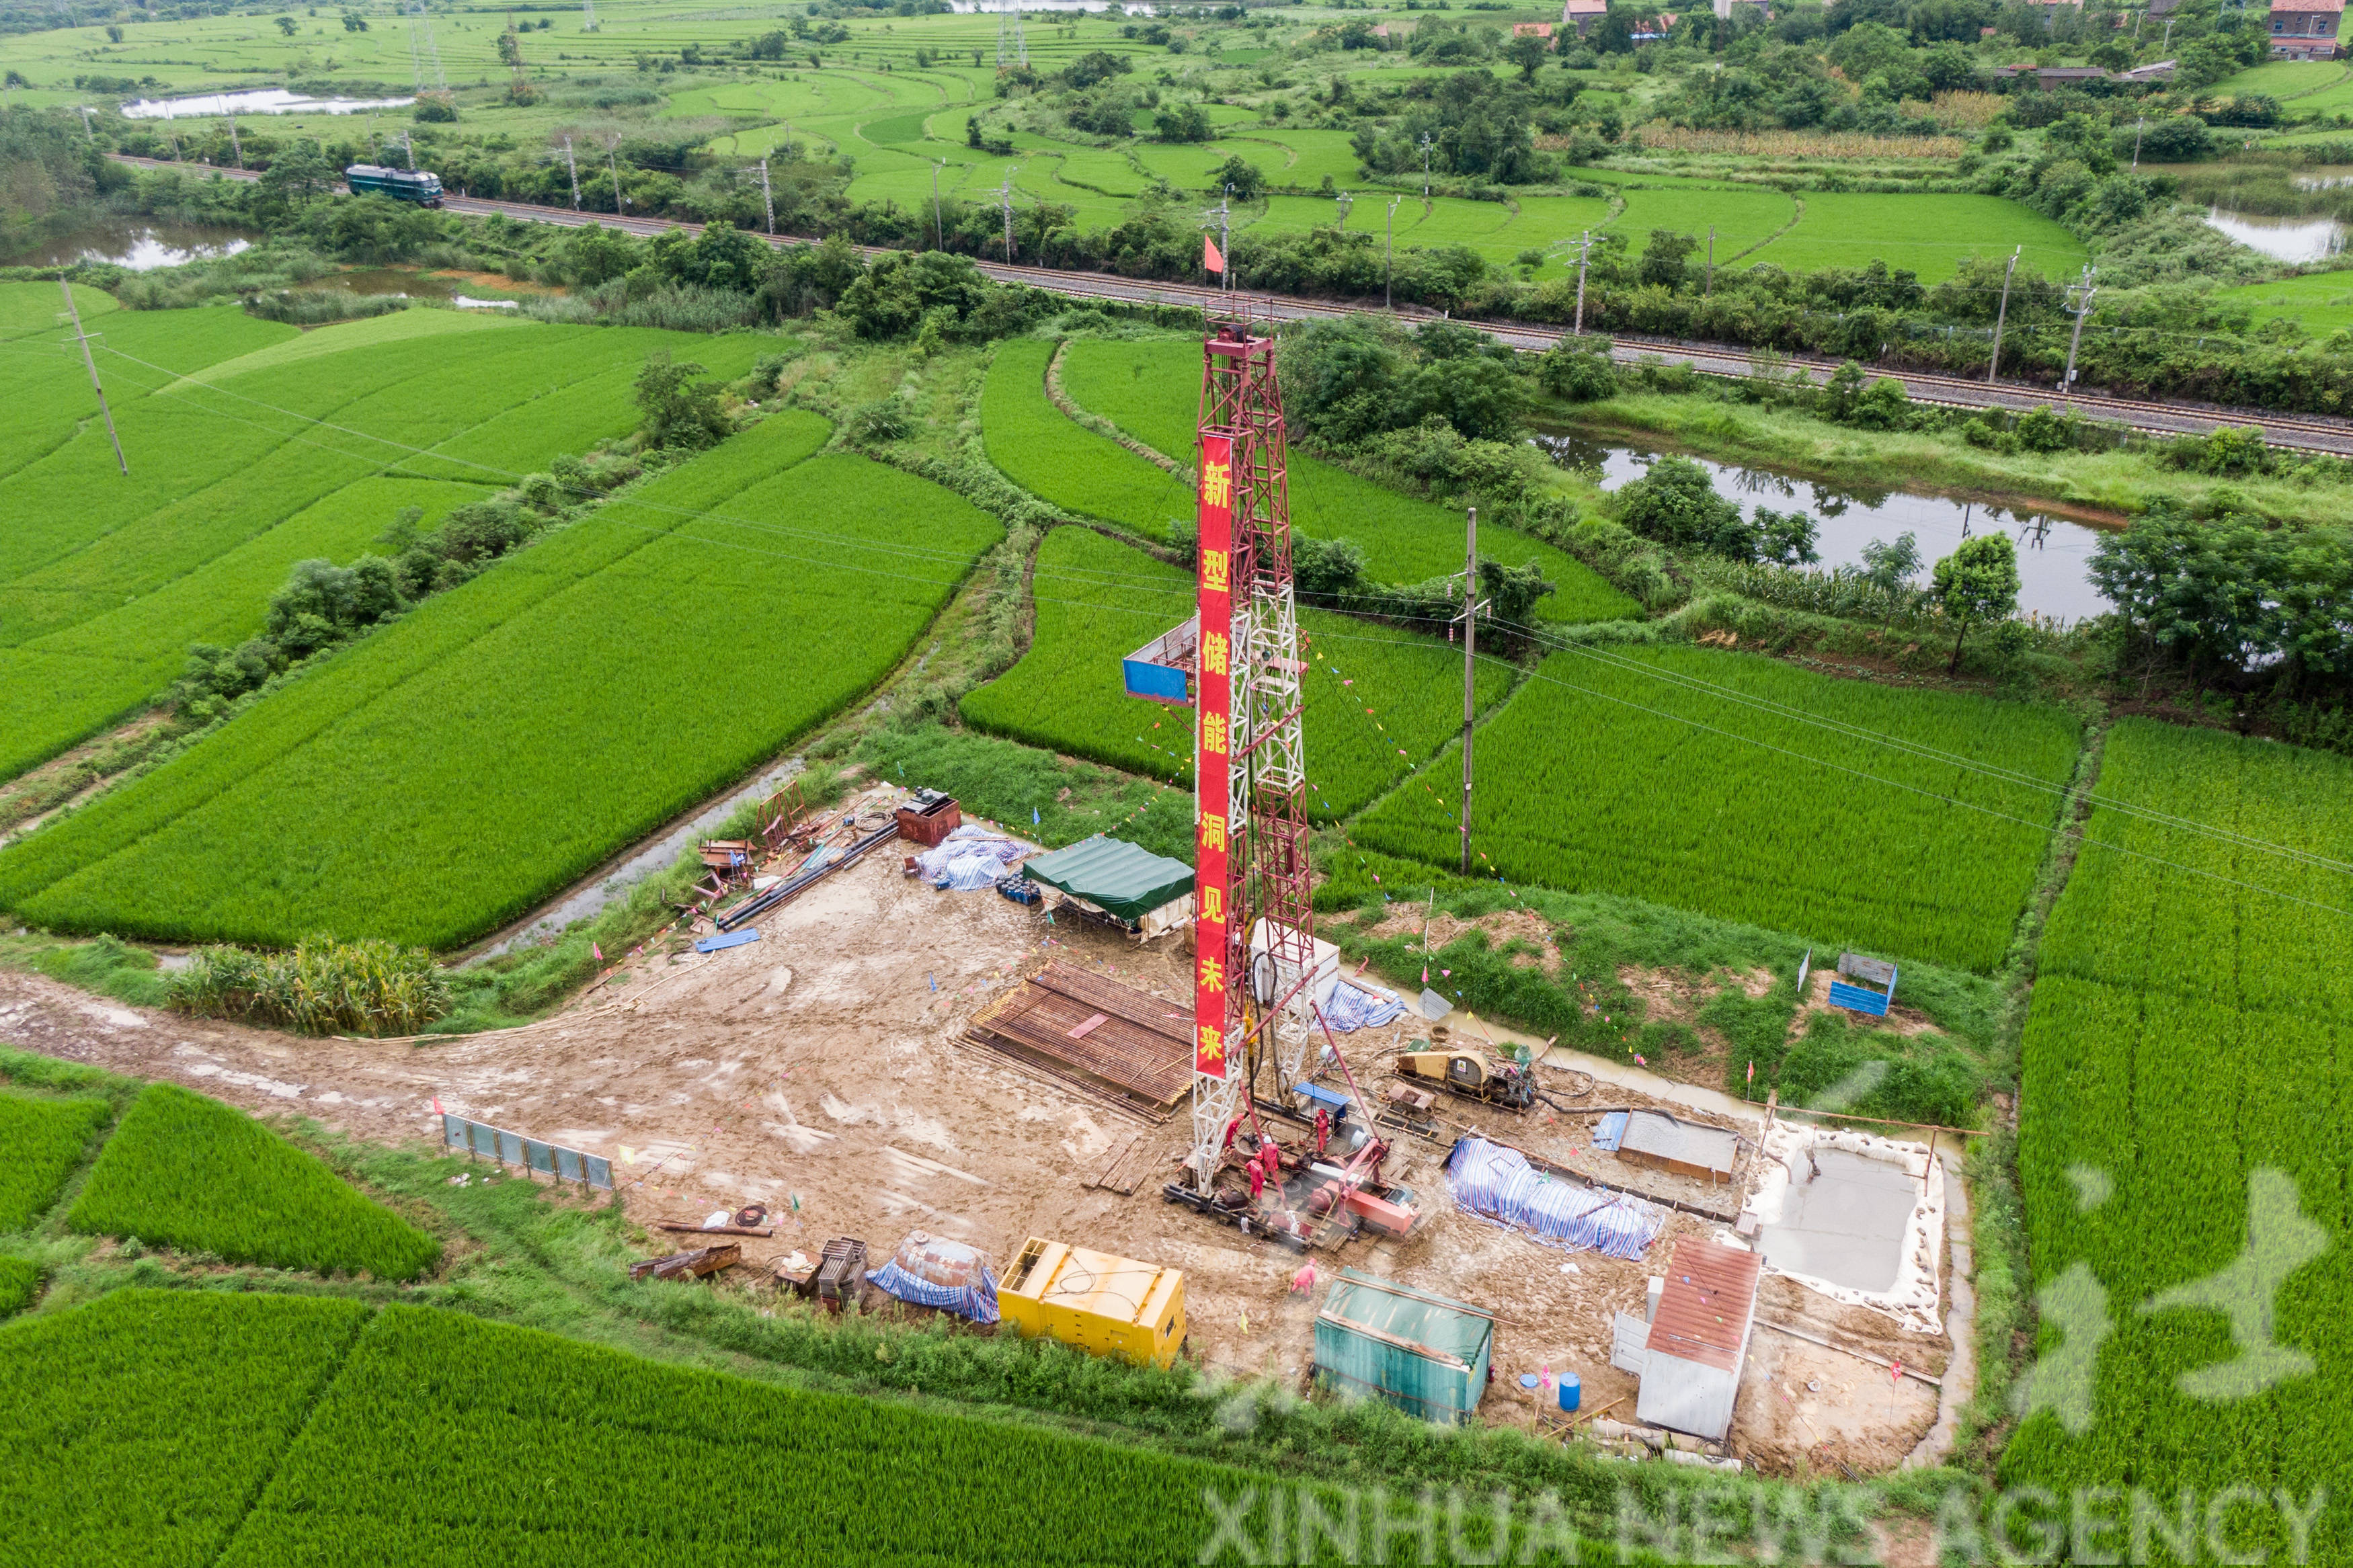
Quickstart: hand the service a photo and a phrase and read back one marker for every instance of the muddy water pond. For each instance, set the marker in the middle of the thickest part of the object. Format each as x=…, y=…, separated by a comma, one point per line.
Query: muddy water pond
x=140, y=244
x=2054, y=552
x=2281, y=238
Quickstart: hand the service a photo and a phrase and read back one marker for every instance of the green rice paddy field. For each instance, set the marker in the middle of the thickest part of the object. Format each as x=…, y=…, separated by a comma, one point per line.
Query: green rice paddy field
x=106, y=581
x=444, y=773
x=1150, y=388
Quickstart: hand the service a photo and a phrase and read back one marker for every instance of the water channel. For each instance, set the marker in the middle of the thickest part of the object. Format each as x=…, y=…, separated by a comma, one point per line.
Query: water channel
x=140, y=244
x=2281, y=238
x=2053, y=552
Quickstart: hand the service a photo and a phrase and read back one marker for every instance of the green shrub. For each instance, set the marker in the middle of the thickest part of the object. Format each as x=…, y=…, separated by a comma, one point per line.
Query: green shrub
x=321, y=987
x=193, y=1174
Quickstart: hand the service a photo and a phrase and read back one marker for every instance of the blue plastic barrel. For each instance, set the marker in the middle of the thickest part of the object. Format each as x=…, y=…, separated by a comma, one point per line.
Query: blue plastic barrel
x=1571, y=1391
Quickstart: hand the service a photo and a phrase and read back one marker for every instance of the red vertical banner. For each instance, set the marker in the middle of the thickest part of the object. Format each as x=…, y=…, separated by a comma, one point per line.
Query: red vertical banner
x=1212, y=757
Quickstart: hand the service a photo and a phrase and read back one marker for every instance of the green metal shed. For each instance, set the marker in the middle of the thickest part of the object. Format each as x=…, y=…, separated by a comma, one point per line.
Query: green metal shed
x=1424, y=1354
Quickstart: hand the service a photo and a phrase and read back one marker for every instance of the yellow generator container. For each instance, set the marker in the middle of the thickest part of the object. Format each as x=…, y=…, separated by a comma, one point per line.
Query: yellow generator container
x=1106, y=1305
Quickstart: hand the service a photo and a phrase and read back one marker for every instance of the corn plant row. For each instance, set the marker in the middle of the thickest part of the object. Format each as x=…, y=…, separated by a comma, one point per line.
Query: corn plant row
x=1612, y=775
x=1379, y=700
x=41, y=1141
x=1151, y=388
x=140, y=1425
x=445, y=775
x=186, y=1172
x=320, y=988
x=2185, y=1113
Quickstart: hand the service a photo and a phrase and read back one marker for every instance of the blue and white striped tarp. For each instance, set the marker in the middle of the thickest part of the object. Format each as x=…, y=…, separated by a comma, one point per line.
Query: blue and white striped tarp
x=1494, y=1183
x=977, y=1302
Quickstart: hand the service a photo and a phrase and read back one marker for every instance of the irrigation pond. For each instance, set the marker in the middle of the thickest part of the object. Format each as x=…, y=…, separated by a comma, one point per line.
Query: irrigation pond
x=2053, y=552
x=140, y=244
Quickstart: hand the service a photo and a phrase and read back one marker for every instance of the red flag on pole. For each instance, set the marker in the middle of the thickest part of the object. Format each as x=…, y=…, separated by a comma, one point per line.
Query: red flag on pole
x=1211, y=260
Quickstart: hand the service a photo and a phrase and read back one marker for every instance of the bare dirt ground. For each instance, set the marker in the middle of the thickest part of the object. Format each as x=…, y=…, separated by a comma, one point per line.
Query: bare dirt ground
x=824, y=1063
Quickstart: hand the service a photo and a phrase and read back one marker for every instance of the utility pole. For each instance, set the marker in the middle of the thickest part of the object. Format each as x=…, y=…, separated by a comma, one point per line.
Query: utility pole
x=1708, y=287
x=1470, y=669
x=573, y=164
x=1345, y=201
x=938, y=241
x=2139, y=126
x=2078, y=337
x=2001, y=316
x=233, y=145
x=1425, y=166
x=614, y=168
x=1584, y=250
x=1005, y=195
x=83, y=339
x=407, y=153
x=1389, y=278
x=768, y=201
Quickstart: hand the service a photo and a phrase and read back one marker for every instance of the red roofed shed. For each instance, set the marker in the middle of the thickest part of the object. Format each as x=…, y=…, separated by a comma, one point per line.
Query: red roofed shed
x=1699, y=1338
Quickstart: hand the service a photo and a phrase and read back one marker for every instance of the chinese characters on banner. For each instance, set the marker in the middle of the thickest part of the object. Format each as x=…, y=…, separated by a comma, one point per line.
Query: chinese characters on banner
x=1213, y=756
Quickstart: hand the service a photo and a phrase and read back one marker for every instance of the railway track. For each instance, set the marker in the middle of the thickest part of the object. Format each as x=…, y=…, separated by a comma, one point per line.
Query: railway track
x=2294, y=431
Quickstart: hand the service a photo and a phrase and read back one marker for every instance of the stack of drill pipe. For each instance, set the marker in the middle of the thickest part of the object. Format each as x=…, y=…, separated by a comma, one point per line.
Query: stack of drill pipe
x=799, y=880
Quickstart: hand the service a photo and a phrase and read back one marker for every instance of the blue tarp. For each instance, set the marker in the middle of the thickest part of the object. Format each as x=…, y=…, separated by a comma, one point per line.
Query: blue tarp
x=1497, y=1184
x=977, y=1302
x=1352, y=1007
x=970, y=859
x=1610, y=1132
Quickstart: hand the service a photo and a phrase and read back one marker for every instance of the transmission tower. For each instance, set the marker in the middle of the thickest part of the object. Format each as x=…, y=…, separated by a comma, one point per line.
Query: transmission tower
x=587, y=16
x=420, y=19
x=1011, y=44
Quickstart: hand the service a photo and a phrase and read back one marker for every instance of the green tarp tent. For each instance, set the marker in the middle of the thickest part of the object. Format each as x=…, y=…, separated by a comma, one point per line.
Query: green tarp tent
x=1123, y=879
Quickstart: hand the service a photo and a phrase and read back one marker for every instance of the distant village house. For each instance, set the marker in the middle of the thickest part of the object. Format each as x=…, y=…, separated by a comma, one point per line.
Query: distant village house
x=2305, y=30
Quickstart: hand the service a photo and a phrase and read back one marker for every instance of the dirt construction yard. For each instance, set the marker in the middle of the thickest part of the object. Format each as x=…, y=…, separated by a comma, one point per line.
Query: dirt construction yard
x=824, y=1063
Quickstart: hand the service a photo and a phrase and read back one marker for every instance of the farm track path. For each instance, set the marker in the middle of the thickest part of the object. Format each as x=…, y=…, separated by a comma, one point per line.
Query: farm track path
x=2302, y=432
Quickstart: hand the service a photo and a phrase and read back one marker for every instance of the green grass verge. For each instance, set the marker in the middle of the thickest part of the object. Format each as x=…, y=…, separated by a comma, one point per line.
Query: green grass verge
x=20, y=1281
x=186, y=1172
x=1623, y=777
x=2319, y=303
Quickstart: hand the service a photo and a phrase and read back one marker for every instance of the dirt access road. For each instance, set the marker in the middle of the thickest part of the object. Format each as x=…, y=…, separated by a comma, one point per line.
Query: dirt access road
x=824, y=1062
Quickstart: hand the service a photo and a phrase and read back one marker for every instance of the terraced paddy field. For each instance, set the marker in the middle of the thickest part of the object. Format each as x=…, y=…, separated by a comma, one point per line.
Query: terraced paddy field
x=1099, y=600
x=106, y=581
x=449, y=771
x=1147, y=387
x=2183, y=1141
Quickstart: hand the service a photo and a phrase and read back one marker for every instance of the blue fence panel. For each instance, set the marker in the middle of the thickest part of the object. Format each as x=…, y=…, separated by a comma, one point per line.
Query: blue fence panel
x=567, y=1163
x=600, y=1171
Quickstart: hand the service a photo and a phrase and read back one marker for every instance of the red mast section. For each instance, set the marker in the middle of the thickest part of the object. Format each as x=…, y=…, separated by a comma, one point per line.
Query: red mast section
x=1254, y=956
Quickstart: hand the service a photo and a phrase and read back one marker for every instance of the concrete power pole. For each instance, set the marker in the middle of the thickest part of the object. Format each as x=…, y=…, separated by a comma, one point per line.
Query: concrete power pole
x=939, y=241
x=233, y=144
x=1584, y=252
x=573, y=164
x=83, y=339
x=2081, y=310
x=614, y=168
x=1470, y=669
x=1005, y=195
x=2001, y=316
x=1389, y=281
x=1708, y=287
x=767, y=201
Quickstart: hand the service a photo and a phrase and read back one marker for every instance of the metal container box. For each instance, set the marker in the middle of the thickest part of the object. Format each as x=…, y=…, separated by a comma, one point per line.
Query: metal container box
x=1422, y=1353
x=1109, y=1306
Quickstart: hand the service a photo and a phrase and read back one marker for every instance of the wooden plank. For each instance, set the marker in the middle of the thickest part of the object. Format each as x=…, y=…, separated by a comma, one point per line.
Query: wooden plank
x=682, y=1227
x=1103, y=1176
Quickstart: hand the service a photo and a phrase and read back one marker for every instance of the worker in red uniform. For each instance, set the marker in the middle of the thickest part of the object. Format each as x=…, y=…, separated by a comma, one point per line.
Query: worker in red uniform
x=1322, y=1128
